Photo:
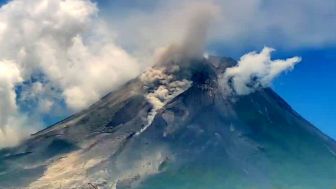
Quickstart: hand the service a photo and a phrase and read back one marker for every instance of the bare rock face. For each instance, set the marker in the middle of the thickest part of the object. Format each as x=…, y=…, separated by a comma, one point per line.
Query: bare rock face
x=173, y=127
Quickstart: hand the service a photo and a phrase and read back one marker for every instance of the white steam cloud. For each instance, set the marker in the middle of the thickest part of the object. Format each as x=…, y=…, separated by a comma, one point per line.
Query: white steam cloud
x=66, y=43
x=255, y=71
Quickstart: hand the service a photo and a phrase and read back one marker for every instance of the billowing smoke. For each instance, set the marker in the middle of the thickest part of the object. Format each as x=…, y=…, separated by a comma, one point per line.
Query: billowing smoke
x=194, y=38
x=255, y=71
x=160, y=82
x=68, y=43
x=161, y=86
x=55, y=51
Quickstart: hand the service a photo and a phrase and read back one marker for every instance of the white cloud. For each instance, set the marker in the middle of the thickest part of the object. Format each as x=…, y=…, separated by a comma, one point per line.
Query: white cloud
x=254, y=71
x=9, y=76
x=68, y=43
x=13, y=126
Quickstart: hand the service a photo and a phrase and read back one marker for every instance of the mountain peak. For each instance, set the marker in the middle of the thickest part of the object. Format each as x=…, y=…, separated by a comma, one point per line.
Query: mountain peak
x=169, y=126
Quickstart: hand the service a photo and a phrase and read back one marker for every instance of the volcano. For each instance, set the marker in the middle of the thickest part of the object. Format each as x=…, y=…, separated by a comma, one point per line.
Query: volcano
x=174, y=126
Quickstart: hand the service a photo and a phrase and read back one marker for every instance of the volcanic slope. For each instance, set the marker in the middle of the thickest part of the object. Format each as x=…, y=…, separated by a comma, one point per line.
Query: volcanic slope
x=175, y=127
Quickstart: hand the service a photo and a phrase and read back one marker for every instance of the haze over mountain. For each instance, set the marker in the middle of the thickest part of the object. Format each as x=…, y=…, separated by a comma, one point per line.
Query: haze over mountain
x=178, y=125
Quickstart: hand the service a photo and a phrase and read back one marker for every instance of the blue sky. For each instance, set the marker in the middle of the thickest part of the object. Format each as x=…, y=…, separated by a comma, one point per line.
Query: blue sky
x=311, y=88
x=302, y=28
